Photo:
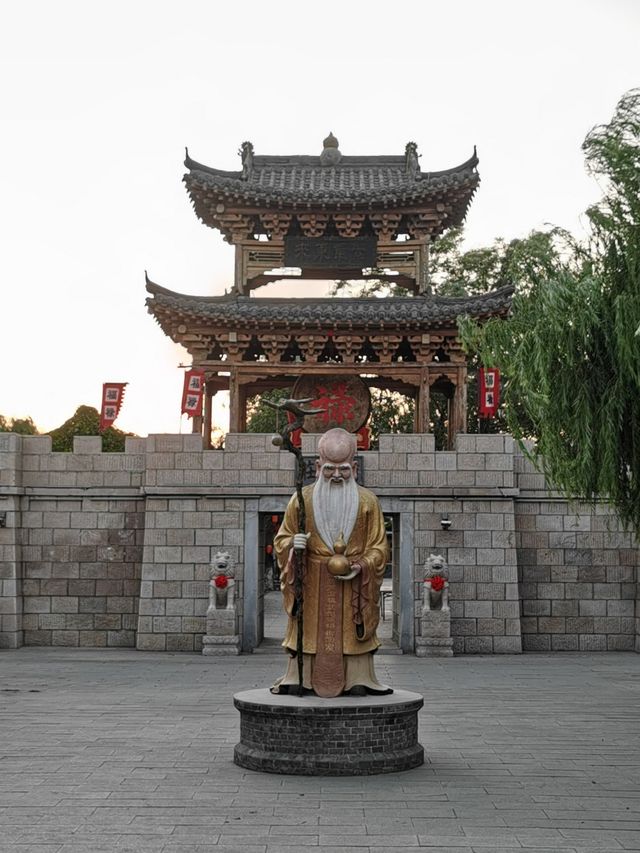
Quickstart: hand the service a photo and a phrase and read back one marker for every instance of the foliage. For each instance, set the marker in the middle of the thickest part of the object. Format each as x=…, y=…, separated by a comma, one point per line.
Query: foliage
x=571, y=348
x=457, y=272
x=262, y=418
x=390, y=413
x=22, y=426
x=367, y=288
x=86, y=421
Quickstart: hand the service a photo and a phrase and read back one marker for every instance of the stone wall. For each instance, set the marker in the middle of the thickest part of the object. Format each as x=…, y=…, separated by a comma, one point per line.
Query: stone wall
x=577, y=572
x=114, y=549
x=77, y=529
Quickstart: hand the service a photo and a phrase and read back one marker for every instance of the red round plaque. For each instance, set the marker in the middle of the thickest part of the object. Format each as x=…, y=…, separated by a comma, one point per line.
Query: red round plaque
x=346, y=400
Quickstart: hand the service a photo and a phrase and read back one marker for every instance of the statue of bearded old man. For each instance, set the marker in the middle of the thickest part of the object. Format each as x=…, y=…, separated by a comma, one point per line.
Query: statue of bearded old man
x=340, y=610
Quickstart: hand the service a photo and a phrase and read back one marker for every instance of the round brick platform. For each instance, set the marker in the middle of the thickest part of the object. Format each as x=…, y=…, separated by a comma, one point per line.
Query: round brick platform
x=347, y=736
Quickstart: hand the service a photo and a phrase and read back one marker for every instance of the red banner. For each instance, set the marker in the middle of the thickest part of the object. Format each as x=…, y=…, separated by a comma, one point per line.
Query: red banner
x=363, y=437
x=488, y=391
x=193, y=393
x=112, y=396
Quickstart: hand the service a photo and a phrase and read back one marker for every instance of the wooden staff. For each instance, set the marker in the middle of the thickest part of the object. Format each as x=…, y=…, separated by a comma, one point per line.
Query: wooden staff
x=284, y=440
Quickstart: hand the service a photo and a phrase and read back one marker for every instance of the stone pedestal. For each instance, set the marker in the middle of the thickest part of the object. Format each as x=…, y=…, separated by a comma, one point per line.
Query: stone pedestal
x=435, y=640
x=221, y=638
x=346, y=736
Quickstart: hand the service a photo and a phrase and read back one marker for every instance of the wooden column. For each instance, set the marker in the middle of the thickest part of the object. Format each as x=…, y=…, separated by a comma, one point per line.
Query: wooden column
x=234, y=402
x=421, y=420
x=210, y=391
x=422, y=266
x=237, y=402
x=240, y=275
x=459, y=404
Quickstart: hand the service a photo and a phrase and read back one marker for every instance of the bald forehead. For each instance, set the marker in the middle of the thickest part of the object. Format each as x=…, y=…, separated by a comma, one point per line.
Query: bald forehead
x=336, y=446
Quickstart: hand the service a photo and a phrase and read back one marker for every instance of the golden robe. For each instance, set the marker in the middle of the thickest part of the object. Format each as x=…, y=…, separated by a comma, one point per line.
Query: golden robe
x=367, y=545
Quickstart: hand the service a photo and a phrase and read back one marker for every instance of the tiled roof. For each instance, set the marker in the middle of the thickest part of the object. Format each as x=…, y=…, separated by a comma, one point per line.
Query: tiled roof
x=352, y=181
x=420, y=312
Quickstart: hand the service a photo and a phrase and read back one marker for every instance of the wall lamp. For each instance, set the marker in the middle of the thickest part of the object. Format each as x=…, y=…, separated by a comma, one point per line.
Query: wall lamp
x=445, y=522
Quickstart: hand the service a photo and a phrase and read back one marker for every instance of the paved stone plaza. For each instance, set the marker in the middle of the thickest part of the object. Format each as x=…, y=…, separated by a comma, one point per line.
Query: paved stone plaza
x=122, y=750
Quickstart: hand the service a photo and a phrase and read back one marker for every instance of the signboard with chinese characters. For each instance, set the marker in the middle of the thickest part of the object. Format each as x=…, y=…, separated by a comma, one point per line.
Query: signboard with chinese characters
x=353, y=253
x=345, y=400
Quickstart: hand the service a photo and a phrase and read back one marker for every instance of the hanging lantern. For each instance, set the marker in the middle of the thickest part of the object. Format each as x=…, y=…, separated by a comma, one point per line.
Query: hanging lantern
x=275, y=519
x=269, y=549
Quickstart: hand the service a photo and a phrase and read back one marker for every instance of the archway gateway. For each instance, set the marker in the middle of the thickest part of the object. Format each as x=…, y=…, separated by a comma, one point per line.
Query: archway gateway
x=329, y=217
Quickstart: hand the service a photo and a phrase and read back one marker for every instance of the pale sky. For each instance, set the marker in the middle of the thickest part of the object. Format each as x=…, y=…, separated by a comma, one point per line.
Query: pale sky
x=99, y=101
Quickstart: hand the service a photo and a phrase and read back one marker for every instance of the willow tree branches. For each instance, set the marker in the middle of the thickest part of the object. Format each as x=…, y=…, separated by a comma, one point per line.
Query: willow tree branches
x=570, y=351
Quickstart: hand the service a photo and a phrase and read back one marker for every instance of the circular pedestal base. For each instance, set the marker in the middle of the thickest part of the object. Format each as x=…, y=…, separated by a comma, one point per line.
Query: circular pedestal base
x=347, y=736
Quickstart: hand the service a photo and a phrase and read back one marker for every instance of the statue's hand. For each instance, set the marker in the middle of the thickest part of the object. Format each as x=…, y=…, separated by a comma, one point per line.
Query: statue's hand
x=300, y=541
x=356, y=568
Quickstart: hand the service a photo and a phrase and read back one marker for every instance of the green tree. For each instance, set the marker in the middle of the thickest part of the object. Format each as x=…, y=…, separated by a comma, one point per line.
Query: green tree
x=391, y=412
x=86, y=421
x=571, y=349
x=262, y=418
x=22, y=426
x=455, y=271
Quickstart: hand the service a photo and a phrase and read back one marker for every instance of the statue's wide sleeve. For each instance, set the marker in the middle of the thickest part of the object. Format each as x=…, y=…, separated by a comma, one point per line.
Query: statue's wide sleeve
x=282, y=544
x=365, y=590
x=376, y=549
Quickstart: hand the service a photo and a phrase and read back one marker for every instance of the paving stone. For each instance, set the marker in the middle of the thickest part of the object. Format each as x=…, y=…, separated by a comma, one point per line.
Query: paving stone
x=122, y=750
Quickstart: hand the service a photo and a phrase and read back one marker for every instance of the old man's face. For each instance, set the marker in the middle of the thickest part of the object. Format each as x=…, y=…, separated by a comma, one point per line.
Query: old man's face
x=336, y=471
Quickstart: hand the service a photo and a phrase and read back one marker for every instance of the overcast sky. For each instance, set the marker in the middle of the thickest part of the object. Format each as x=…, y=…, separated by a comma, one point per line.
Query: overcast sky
x=99, y=101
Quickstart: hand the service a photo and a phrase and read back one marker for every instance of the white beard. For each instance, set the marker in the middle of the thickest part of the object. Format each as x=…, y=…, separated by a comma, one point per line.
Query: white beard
x=335, y=508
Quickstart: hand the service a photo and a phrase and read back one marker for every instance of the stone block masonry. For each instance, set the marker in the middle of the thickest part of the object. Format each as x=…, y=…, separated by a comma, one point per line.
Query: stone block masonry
x=578, y=573
x=113, y=549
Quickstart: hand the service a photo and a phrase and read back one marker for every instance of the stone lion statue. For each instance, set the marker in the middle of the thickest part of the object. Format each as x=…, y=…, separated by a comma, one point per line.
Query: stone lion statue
x=436, y=583
x=222, y=584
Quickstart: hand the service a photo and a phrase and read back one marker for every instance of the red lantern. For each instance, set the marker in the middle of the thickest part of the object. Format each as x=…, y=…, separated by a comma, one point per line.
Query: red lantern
x=275, y=519
x=269, y=549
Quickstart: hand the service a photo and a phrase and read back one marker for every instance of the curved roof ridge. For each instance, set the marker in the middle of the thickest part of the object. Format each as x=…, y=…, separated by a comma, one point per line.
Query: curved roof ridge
x=261, y=161
x=409, y=302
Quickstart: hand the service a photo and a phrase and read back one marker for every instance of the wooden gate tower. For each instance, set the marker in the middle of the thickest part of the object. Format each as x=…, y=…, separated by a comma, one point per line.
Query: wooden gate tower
x=328, y=217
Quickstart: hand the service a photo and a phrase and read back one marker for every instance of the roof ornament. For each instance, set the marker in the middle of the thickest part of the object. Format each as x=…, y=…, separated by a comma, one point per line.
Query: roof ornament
x=411, y=160
x=246, y=153
x=331, y=155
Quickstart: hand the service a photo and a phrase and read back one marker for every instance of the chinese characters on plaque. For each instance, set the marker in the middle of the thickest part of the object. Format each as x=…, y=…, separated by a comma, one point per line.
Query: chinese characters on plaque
x=353, y=253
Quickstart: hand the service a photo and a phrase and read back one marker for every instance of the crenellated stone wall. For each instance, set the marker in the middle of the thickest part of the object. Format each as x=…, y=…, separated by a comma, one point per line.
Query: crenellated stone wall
x=113, y=549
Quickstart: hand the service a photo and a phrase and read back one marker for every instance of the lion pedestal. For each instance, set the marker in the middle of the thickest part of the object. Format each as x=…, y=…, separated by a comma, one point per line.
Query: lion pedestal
x=221, y=637
x=435, y=621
